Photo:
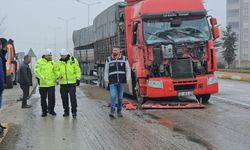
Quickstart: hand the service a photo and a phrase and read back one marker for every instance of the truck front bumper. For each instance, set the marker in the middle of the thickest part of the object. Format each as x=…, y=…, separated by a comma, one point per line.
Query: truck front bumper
x=168, y=87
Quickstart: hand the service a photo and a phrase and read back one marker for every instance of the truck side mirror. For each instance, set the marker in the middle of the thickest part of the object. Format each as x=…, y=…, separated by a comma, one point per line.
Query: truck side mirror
x=213, y=21
x=215, y=29
x=215, y=32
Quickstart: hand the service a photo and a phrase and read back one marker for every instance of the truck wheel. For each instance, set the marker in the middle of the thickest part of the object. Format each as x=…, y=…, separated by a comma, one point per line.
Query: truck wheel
x=9, y=82
x=133, y=83
x=88, y=70
x=99, y=76
x=205, y=98
x=141, y=100
x=103, y=81
x=84, y=69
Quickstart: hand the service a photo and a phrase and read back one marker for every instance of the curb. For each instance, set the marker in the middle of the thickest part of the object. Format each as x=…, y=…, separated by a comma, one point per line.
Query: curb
x=5, y=132
x=232, y=77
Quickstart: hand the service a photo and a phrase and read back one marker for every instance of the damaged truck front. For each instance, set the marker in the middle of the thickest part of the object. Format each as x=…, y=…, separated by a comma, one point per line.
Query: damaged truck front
x=170, y=48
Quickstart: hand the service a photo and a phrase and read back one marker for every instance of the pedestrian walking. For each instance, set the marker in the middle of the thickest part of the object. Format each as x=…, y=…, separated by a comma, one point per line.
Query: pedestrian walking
x=46, y=76
x=117, y=74
x=25, y=80
x=69, y=74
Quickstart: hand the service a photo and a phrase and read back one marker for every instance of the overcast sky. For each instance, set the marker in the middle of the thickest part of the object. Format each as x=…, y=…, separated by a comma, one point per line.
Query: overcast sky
x=35, y=24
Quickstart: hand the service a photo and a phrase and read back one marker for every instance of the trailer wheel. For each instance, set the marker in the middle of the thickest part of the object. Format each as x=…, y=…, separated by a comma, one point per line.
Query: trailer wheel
x=102, y=77
x=141, y=100
x=99, y=76
x=204, y=98
x=88, y=69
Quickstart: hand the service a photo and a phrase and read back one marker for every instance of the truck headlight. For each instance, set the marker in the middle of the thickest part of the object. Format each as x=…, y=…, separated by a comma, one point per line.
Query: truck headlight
x=212, y=80
x=155, y=84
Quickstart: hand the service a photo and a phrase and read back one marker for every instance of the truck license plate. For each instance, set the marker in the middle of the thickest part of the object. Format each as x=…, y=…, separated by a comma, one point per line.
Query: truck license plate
x=185, y=93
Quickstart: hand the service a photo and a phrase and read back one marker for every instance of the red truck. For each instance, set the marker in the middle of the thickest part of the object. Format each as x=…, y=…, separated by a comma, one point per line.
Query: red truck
x=169, y=45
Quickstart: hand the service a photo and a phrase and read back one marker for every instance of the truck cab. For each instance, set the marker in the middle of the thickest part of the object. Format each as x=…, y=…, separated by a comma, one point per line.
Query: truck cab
x=170, y=48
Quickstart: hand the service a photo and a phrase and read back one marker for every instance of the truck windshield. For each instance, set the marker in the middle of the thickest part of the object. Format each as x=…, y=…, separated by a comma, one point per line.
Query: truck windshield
x=190, y=30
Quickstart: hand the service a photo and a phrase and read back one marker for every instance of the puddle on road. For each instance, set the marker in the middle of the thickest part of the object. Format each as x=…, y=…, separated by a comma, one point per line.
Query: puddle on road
x=171, y=125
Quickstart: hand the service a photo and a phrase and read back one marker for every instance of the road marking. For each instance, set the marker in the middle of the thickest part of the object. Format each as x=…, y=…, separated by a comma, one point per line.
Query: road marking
x=232, y=101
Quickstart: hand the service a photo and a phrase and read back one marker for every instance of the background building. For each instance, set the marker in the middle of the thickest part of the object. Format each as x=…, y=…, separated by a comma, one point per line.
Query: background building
x=238, y=17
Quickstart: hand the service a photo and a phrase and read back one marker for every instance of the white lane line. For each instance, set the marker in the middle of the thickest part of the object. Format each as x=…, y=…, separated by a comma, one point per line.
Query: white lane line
x=232, y=101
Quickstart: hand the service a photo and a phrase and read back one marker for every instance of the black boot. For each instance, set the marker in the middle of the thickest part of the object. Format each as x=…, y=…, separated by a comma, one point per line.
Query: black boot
x=44, y=114
x=53, y=113
x=65, y=114
x=74, y=115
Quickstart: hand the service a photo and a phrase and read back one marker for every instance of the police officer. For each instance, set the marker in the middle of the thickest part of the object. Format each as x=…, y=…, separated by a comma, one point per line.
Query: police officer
x=69, y=77
x=117, y=74
x=46, y=75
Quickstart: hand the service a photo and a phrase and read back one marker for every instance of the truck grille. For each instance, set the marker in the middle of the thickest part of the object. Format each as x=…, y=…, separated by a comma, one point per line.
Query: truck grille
x=184, y=87
x=181, y=68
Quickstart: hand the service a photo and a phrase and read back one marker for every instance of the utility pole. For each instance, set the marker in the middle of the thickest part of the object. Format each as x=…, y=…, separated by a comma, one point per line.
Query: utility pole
x=67, y=29
x=88, y=5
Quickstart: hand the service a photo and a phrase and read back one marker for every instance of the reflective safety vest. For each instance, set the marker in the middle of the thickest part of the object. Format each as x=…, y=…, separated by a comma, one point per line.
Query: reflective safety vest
x=45, y=72
x=117, y=69
x=68, y=72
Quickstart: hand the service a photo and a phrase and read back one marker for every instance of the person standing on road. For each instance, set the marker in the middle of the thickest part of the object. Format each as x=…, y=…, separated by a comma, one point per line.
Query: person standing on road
x=69, y=74
x=1, y=77
x=25, y=80
x=46, y=76
x=1, y=87
x=3, y=53
x=117, y=74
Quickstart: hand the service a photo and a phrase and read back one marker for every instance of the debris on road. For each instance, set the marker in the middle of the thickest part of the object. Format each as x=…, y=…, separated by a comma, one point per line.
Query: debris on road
x=128, y=105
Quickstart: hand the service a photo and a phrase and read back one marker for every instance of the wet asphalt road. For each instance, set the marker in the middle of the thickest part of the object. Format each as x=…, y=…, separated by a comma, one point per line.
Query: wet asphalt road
x=224, y=124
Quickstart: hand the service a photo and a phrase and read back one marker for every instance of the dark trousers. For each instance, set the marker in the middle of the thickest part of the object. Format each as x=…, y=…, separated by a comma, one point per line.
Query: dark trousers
x=26, y=92
x=50, y=91
x=66, y=91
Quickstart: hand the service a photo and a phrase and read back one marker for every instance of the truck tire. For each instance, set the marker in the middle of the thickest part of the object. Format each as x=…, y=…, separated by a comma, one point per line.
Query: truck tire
x=9, y=82
x=99, y=76
x=205, y=98
x=141, y=100
x=133, y=77
x=102, y=81
x=84, y=69
x=88, y=70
